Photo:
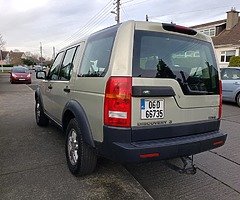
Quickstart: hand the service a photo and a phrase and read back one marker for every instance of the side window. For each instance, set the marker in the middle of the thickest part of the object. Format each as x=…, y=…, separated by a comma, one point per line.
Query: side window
x=230, y=74
x=97, y=55
x=53, y=73
x=66, y=68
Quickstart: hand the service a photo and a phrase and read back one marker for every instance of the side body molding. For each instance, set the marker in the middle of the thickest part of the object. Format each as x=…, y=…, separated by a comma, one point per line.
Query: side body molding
x=74, y=108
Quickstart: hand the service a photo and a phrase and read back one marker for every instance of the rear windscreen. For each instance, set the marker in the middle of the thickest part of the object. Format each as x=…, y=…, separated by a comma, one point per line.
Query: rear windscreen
x=189, y=61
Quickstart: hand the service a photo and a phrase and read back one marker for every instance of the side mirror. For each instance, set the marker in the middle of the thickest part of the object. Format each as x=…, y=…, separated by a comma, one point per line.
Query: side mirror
x=41, y=75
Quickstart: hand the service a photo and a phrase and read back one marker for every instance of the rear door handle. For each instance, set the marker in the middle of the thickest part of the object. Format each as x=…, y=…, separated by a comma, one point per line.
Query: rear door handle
x=66, y=89
x=50, y=87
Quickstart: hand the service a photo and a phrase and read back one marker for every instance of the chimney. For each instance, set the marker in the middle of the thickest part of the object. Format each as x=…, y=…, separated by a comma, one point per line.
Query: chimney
x=232, y=18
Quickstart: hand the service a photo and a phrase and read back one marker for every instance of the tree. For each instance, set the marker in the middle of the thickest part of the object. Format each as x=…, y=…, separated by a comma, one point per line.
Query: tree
x=2, y=42
x=234, y=61
x=28, y=62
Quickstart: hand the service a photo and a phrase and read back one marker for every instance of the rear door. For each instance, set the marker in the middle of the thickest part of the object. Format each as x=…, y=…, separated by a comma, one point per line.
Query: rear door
x=175, y=79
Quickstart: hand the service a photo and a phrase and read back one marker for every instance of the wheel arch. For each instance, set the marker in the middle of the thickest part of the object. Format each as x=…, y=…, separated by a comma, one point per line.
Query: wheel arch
x=74, y=110
x=38, y=97
x=237, y=93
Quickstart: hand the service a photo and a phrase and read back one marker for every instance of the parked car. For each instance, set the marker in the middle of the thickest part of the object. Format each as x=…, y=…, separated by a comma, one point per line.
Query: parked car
x=38, y=68
x=20, y=74
x=231, y=84
x=130, y=93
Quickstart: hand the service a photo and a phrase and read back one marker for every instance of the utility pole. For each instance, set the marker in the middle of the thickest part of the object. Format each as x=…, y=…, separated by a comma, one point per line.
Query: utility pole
x=1, y=58
x=41, y=53
x=146, y=18
x=54, y=52
x=117, y=12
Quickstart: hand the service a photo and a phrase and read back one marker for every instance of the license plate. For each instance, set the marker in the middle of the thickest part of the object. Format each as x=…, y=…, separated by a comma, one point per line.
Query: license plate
x=152, y=108
x=21, y=79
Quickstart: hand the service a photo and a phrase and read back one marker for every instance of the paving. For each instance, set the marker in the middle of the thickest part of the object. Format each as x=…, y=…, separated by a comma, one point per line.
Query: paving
x=33, y=166
x=217, y=174
x=32, y=159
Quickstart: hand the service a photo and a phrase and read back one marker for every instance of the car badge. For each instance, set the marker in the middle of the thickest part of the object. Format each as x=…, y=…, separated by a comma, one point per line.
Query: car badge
x=146, y=92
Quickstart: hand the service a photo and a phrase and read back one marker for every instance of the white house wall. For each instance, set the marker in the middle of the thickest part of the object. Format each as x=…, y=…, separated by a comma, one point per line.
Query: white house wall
x=218, y=51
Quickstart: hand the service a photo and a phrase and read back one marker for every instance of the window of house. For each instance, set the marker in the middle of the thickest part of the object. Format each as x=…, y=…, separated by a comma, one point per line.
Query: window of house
x=53, y=73
x=226, y=55
x=210, y=31
x=97, y=54
x=65, y=71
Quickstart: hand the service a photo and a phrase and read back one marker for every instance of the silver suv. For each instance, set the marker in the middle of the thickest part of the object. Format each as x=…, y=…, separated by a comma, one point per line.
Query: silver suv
x=134, y=92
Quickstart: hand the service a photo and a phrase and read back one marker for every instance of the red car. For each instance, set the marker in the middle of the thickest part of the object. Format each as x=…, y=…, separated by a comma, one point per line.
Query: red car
x=20, y=75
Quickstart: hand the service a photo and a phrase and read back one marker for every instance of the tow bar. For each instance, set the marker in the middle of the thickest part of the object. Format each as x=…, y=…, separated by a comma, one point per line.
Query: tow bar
x=187, y=168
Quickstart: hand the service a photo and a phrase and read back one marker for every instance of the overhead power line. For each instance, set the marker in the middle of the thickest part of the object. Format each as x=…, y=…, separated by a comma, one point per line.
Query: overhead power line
x=190, y=11
x=107, y=8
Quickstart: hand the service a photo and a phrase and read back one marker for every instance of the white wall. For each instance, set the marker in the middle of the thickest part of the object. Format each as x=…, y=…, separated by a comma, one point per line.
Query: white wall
x=218, y=54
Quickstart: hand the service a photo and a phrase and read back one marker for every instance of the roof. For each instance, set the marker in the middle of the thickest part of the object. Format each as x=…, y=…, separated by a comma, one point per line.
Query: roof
x=16, y=57
x=215, y=23
x=228, y=36
x=4, y=54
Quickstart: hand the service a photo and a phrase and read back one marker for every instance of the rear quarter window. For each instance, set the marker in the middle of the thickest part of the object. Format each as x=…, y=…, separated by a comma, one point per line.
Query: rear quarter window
x=97, y=53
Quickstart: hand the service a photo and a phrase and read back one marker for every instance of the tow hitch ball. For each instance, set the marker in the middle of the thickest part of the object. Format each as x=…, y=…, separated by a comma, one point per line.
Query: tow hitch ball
x=187, y=168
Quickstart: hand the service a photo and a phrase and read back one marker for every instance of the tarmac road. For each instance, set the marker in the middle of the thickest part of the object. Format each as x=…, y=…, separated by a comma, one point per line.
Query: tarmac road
x=33, y=166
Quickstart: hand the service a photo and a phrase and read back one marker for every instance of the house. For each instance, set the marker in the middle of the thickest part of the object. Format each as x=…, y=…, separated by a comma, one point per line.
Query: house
x=3, y=57
x=15, y=58
x=225, y=35
x=12, y=58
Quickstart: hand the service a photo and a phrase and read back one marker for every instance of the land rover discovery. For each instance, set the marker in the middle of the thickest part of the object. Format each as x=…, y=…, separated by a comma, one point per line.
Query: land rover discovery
x=134, y=92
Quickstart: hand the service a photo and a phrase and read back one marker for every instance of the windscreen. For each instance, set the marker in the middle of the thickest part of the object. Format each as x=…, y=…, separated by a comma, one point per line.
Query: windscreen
x=189, y=61
x=20, y=70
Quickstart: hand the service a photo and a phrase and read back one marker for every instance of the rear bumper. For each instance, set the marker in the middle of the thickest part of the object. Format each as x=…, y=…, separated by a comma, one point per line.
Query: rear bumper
x=117, y=145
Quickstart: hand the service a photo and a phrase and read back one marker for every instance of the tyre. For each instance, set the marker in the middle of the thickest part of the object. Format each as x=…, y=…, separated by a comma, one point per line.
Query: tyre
x=41, y=118
x=81, y=158
x=238, y=99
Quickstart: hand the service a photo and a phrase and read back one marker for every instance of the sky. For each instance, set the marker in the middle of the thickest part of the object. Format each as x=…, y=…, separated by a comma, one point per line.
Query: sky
x=24, y=24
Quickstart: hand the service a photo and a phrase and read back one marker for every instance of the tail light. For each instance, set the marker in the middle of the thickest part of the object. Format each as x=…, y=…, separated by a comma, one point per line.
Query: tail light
x=29, y=75
x=117, y=102
x=220, y=100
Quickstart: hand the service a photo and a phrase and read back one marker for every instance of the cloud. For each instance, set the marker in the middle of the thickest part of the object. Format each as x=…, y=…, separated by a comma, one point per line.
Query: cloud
x=53, y=21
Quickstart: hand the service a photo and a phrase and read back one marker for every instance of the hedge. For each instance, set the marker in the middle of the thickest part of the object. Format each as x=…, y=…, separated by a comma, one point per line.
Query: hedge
x=6, y=65
x=234, y=61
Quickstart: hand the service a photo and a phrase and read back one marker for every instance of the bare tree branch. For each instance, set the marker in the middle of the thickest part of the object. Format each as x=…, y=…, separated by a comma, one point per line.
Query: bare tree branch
x=2, y=42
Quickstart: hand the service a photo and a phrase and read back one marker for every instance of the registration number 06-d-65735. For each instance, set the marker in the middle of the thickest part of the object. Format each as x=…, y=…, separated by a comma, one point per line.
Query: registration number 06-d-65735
x=152, y=108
